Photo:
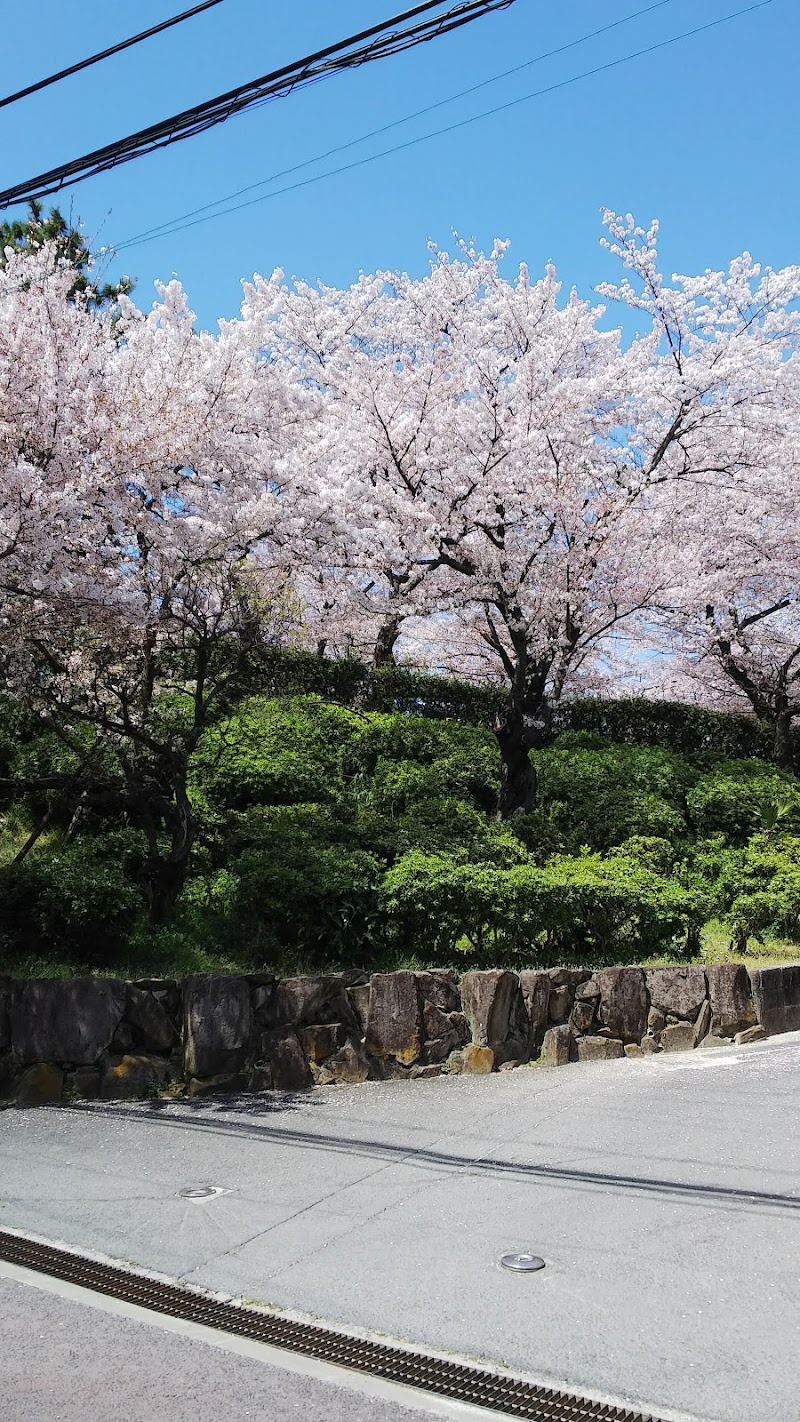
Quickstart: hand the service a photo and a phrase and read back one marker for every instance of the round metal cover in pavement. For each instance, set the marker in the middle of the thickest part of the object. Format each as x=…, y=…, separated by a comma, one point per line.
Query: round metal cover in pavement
x=522, y=1263
x=200, y=1192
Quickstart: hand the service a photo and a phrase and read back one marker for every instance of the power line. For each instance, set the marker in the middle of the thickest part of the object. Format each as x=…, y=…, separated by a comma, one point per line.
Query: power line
x=106, y=53
x=453, y=127
x=382, y=39
x=175, y=222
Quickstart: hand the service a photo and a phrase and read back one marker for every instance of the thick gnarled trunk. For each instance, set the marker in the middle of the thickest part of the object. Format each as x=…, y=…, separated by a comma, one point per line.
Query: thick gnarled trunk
x=163, y=874
x=518, y=783
x=523, y=727
x=385, y=643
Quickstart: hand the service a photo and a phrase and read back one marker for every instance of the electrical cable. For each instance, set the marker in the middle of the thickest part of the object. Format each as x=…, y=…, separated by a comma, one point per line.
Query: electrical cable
x=162, y=228
x=453, y=127
x=106, y=53
x=383, y=41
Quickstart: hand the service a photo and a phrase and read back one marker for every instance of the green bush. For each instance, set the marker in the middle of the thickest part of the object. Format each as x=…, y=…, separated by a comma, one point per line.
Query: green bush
x=292, y=887
x=740, y=797
x=672, y=725
x=275, y=753
x=83, y=899
x=578, y=910
x=601, y=794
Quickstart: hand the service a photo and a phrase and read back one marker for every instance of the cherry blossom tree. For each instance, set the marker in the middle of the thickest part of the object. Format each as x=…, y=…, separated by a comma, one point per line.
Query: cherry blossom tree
x=145, y=498
x=490, y=459
x=380, y=359
x=729, y=634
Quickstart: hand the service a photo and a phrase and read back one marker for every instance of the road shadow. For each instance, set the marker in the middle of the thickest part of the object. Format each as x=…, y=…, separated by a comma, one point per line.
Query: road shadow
x=197, y=1114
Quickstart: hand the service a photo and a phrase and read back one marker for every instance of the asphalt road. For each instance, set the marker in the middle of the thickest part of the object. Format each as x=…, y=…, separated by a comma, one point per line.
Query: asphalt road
x=664, y=1195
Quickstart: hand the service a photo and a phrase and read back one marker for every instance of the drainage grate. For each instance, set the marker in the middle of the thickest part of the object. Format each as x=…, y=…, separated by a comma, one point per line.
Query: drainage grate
x=477, y=1386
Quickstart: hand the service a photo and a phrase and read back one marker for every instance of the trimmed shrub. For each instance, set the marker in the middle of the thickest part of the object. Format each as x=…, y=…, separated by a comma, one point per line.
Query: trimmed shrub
x=83, y=898
x=600, y=794
x=742, y=796
x=578, y=910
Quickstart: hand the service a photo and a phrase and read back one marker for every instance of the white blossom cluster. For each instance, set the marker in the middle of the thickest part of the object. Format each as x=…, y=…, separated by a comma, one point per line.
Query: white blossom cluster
x=468, y=470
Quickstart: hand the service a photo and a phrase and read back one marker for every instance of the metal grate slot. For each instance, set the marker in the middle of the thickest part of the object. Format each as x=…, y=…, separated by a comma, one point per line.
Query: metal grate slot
x=478, y=1386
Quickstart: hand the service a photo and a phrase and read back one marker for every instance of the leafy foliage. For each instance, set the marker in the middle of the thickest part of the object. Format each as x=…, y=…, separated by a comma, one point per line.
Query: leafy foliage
x=83, y=899
x=332, y=835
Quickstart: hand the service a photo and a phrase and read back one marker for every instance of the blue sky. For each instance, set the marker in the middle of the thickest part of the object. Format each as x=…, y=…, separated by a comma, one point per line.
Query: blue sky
x=702, y=134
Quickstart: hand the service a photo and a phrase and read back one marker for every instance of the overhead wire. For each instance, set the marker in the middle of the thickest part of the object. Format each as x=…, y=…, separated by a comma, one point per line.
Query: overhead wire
x=106, y=53
x=162, y=228
x=377, y=42
x=453, y=127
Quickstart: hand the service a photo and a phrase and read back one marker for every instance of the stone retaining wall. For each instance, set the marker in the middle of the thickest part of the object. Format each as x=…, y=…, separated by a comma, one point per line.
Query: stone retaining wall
x=87, y=1038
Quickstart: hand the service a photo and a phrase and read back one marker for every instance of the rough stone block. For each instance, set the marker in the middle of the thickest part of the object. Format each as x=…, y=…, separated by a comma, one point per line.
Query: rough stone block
x=750, y=1034
x=656, y=1020
x=305, y=1001
x=84, y=1083
x=65, y=1019
x=460, y=1026
x=218, y=1024
x=348, y=1066
x=9, y=1070
x=557, y=1046
x=702, y=1025
x=122, y=1040
x=5, y=1014
x=394, y=1024
x=623, y=1002
x=152, y=1029
x=321, y=1041
x=568, y=977
x=129, y=1078
x=776, y=994
x=492, y=1004
x=283, y=1054
x=582, y=1015
x=588, y=991
x=477, y=1060
x=680, y=991
x=678, y=1038
x=536, y=997
x=560, y=1004
x=632, y=1049
x=454, y=1064
x=40, y=1085
x=732, y=1007
x=226, y=1083
x=440, y=988
x=262, y=998
x=649, y=1046
x=598, y=1049
x=358, y=998
x=440, y=1033
x=421, y=1073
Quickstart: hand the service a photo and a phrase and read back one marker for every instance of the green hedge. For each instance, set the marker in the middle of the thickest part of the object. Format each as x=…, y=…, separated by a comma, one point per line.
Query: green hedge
x=673, y=725
x=574, y=910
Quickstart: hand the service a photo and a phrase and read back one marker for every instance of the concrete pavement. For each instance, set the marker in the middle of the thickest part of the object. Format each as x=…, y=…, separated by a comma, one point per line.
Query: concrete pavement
x=67, y=1360
x=664, y=1195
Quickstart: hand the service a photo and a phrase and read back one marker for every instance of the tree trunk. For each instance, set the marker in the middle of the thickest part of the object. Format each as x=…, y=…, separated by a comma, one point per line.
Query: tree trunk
x=165, y=879
x=163, y=876
x=782, y=739
x=383, y=655
x=517, y=773
x=522, y=727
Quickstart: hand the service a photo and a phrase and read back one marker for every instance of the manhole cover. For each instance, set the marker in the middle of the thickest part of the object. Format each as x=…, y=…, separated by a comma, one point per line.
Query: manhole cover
x=522, y=1263
x=200, y=1192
